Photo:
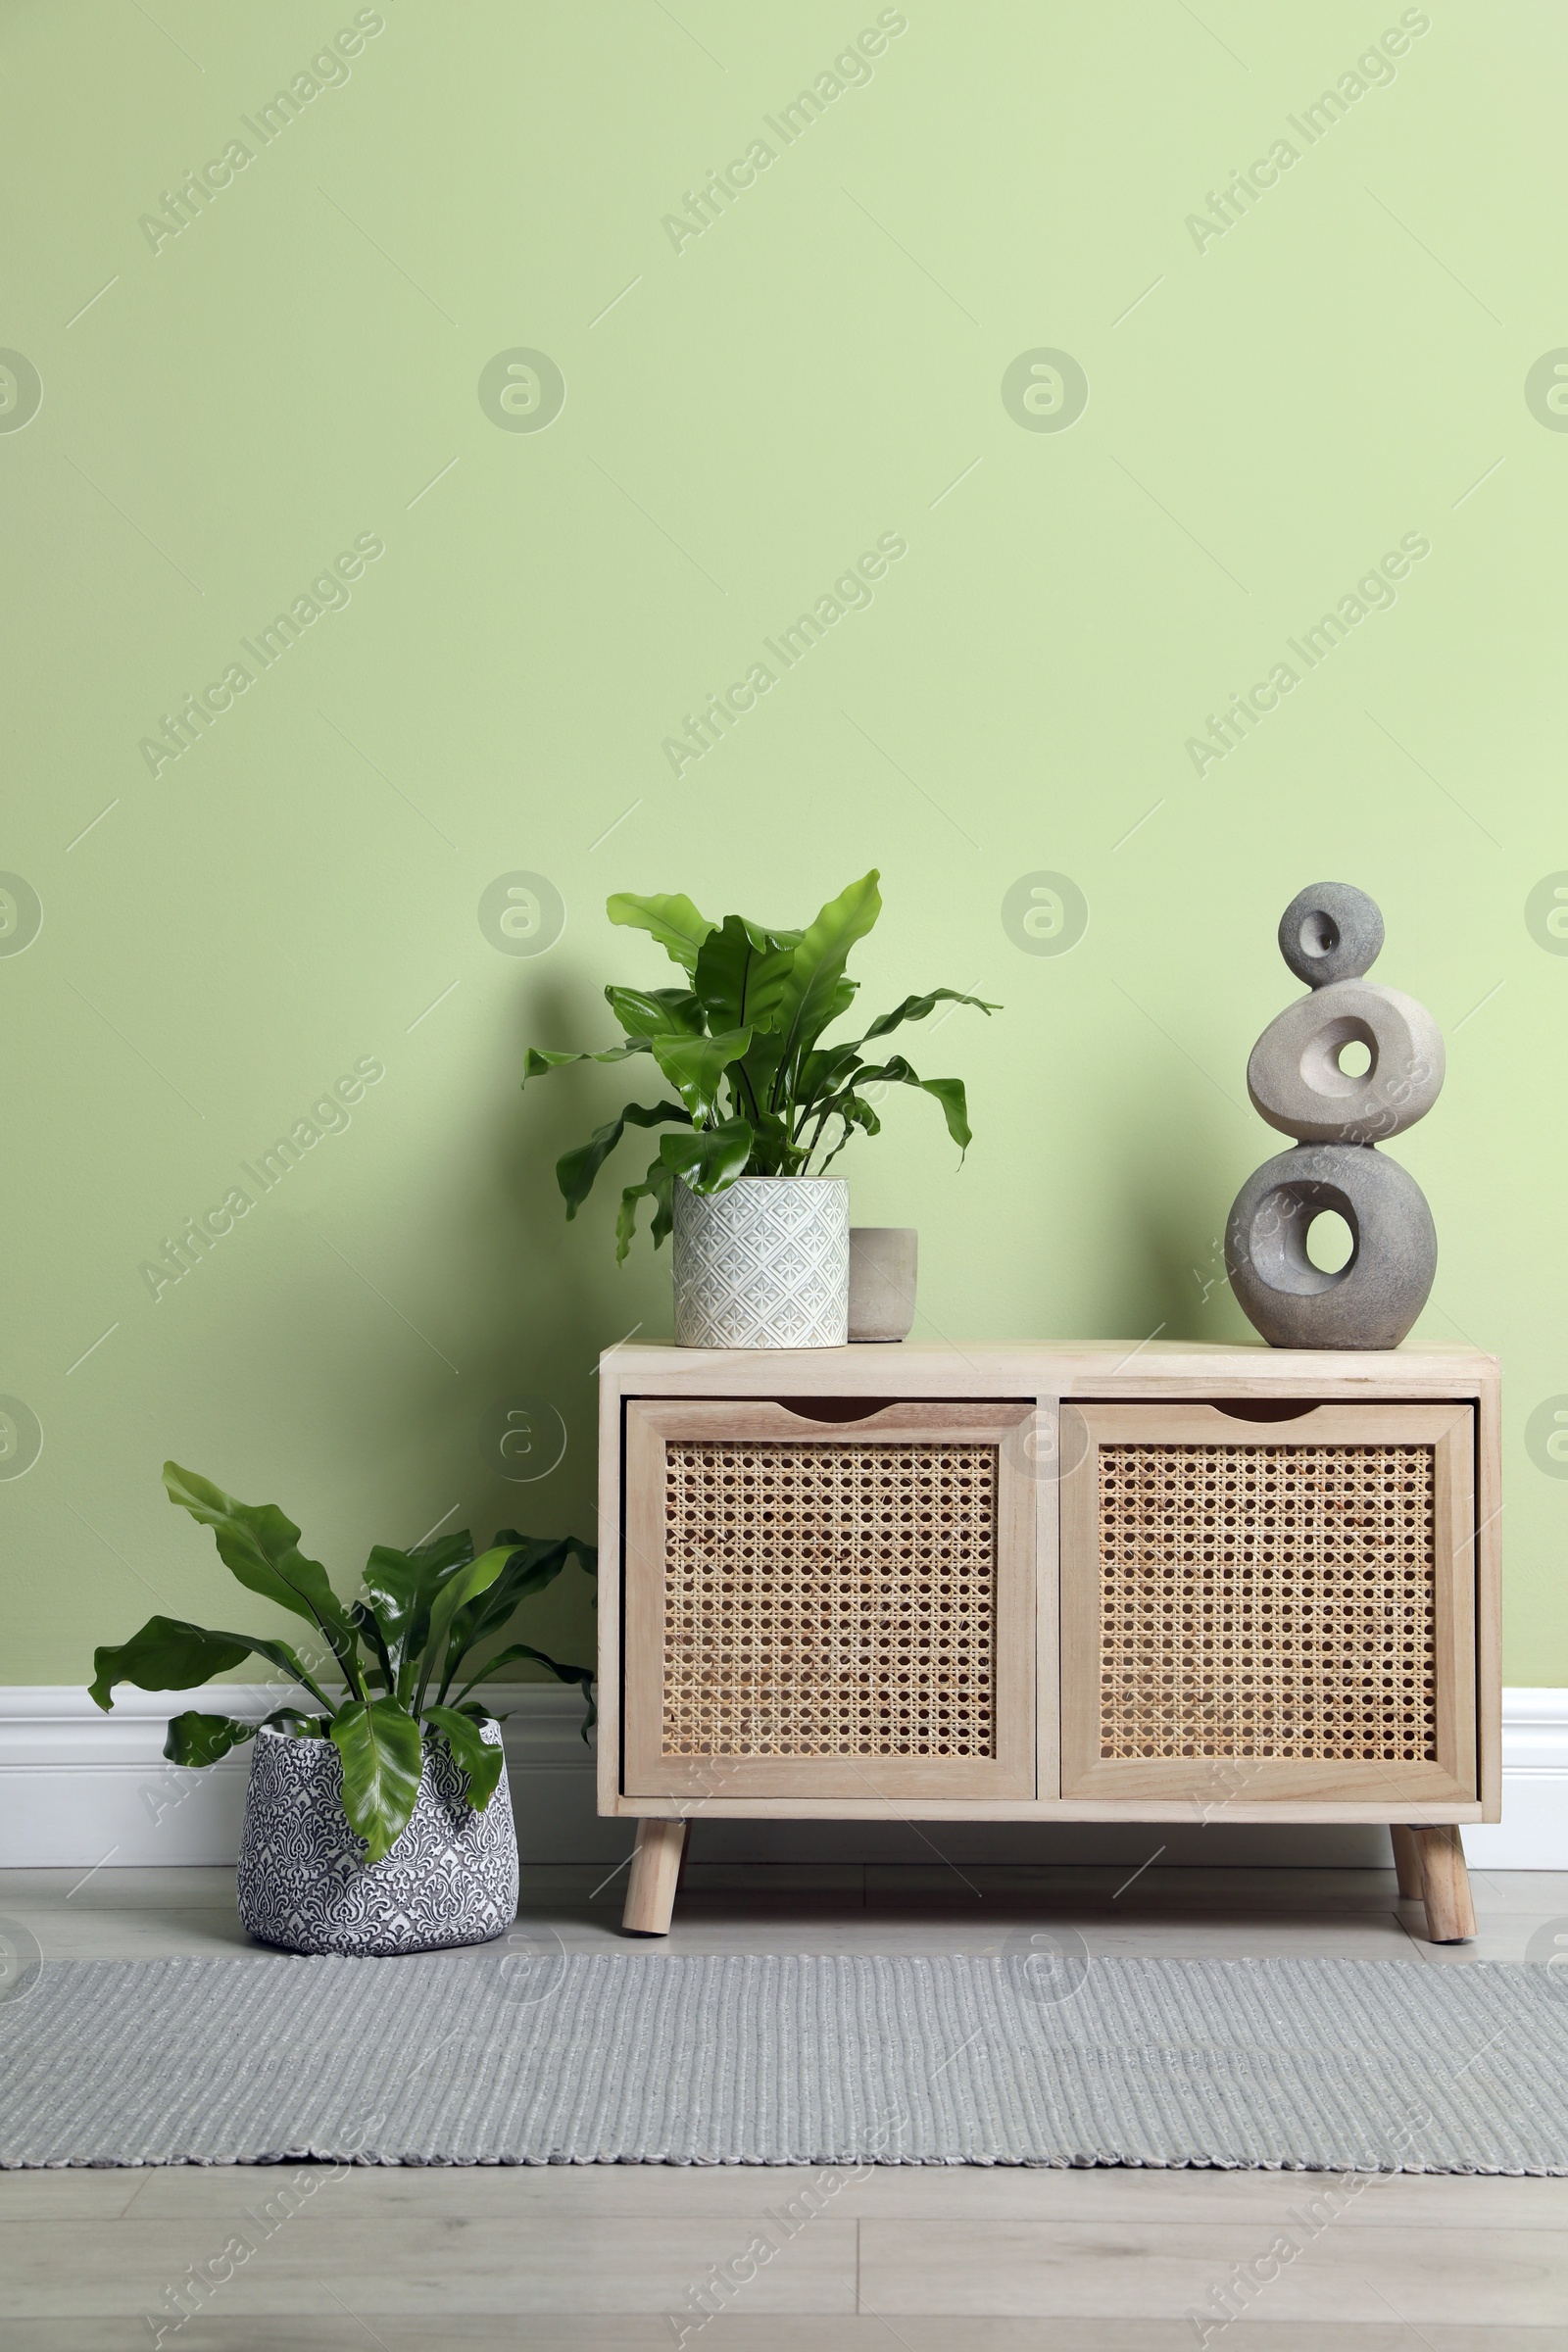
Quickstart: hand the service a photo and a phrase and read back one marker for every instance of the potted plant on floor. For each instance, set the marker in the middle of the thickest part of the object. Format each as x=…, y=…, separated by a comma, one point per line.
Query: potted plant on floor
x=381, y=1821
x=765, y=1108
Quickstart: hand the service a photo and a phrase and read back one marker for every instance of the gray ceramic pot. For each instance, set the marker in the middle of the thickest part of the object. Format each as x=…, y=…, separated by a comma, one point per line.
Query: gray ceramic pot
x=304, y=1886
x=884, y=1263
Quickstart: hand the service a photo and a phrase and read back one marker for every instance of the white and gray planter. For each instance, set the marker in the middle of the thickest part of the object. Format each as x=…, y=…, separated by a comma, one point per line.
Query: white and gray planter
x=304, y=1887
x=763, y=1264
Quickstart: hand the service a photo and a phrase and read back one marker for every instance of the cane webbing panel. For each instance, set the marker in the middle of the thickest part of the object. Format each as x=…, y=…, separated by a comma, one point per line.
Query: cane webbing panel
x=830, y=1599
x=1268, y=1600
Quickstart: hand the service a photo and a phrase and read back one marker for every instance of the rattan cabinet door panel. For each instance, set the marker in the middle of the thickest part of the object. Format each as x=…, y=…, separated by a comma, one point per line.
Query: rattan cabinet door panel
x=829, y=1608
x=1274, y=1608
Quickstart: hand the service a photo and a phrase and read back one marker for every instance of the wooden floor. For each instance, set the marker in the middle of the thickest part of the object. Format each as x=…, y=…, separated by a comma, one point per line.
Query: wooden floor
x=615, y=2258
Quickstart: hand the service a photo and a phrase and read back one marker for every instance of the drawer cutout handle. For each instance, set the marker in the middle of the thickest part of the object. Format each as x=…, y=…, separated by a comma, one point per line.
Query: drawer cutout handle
x=835, y=1408
x=1272, y=1408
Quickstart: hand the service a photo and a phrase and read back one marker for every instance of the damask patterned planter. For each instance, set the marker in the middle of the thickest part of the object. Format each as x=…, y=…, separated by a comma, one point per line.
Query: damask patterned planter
x=763, y=1264
x=451, y=1877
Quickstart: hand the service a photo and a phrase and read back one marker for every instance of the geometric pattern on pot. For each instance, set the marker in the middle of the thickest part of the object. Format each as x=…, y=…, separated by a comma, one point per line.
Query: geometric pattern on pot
x=764, y=1263
x=1296, y=1082
x=304, y=1887
x=1329, y=935
x=1375, y=1297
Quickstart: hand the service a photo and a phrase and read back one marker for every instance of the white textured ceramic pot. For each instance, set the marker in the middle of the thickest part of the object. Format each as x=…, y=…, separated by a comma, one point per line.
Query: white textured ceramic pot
x=304, y=1887
x=763, y=1264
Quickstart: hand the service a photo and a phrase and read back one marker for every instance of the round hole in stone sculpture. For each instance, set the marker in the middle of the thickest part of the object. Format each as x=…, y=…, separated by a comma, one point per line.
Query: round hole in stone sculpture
x=1322, y=1063
x=1277, y=1242
x=1330, y=1242
x=1320, y=934
x=1354, y=1058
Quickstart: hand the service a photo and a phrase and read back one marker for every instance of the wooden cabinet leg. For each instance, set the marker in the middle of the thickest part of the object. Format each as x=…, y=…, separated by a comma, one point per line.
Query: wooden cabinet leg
x=655, y=1868
x=1450, y=1913
x=1407, y=1861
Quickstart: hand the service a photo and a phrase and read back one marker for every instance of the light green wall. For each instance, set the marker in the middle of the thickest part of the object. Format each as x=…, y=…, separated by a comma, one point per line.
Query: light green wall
x=816, y=369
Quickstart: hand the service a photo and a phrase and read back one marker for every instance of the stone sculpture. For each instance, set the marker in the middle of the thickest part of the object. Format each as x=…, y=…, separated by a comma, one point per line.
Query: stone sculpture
x=1330, y=936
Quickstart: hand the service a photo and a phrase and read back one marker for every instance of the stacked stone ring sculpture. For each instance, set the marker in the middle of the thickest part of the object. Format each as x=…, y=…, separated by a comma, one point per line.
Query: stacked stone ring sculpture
x=1330, y=935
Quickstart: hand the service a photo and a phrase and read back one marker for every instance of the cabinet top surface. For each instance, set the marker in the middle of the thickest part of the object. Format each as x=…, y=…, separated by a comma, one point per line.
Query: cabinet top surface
x=1065, y=1367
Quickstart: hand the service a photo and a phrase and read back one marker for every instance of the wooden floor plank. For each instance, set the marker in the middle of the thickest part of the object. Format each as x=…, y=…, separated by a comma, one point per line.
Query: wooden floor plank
x=56, y=2270
x=399, y=2331
x=1365, y=2276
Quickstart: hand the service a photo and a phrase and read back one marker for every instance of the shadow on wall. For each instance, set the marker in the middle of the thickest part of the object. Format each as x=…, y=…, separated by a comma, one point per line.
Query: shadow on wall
x=1175, y=1212
x=541, y=1297
x=449, y=1329
x=1159, y=1245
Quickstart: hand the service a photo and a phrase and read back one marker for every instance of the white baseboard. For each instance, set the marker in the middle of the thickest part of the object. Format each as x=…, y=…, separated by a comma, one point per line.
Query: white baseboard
x=79, y=1789
x=1533, y=1834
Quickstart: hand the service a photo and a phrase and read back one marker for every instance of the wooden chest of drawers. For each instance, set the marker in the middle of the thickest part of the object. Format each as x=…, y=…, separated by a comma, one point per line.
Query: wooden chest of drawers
x=1076, y=1582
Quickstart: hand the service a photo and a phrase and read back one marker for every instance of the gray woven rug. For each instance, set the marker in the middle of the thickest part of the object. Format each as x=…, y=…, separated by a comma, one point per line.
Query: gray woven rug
x=613, y=2058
